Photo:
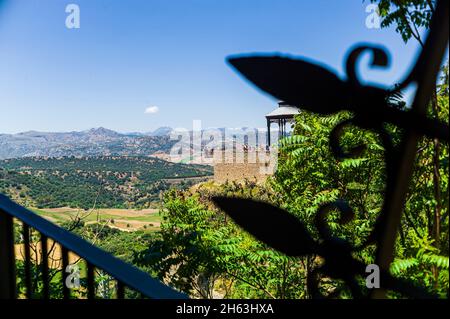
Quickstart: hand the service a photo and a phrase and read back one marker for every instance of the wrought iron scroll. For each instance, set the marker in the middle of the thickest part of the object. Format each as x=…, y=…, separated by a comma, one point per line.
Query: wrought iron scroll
x=299, y=82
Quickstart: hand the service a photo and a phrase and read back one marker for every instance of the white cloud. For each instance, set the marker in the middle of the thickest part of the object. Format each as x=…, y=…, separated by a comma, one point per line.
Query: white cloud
x=151, y=110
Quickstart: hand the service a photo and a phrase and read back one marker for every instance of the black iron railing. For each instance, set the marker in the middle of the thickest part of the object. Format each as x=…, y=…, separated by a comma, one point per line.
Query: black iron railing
x=126, y=275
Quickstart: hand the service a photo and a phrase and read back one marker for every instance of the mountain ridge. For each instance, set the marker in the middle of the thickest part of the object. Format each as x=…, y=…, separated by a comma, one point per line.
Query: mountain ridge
x=91, y=142
x=99, y=141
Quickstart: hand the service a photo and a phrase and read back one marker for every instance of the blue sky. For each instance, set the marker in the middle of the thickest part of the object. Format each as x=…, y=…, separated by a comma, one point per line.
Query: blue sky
x=130, y=55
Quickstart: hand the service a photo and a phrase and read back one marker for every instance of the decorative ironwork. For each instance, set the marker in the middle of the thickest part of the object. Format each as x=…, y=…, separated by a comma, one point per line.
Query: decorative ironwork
x=299, y=82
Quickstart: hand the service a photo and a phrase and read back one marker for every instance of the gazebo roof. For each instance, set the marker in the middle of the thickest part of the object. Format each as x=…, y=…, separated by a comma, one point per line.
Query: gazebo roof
x=283, y=111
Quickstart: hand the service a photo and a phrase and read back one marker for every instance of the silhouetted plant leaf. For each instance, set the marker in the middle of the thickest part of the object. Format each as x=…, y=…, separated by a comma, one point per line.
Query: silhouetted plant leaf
x=271, y=225
x=294, y=81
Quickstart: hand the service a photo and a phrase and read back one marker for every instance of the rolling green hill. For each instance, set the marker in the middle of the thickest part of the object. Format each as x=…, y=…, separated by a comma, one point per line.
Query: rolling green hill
x=108, y=182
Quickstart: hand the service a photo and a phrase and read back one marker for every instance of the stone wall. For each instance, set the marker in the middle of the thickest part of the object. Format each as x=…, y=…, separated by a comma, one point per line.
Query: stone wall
x=238, y=167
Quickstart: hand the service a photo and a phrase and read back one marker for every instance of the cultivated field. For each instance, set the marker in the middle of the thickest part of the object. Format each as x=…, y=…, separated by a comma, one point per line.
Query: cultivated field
x=123, y=219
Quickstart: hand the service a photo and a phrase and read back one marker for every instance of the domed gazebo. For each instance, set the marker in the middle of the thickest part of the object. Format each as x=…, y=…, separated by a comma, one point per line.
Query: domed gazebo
x=282, y=115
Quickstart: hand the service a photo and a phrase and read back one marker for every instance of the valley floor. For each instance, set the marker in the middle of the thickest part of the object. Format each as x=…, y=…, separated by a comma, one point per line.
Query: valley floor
x=122, y=219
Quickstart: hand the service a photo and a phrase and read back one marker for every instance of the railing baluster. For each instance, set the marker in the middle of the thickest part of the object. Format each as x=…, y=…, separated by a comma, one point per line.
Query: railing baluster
x=26, y=248
x=65, y=263
x=120, y=290
x=7, y=260
x=125, y=274
x=44, y=264
x=90, y=281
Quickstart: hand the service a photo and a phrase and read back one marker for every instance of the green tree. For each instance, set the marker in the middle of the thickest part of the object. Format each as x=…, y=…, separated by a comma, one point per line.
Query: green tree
x=412, y=18
x=203, y=253
x=409, y=16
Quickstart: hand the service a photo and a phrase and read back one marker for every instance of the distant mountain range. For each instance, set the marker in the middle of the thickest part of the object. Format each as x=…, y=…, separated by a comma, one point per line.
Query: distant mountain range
x=161, y=131
x=93, y=142
x=101, y=142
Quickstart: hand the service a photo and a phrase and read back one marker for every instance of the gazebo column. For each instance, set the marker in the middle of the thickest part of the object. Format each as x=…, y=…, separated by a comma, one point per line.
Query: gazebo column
x=282, y=115
x=278, y=123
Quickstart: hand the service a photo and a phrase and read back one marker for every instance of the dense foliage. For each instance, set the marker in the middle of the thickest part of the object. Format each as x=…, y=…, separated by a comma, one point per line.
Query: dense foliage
x=204, y=254
x=410, y=17
x=108, y=182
